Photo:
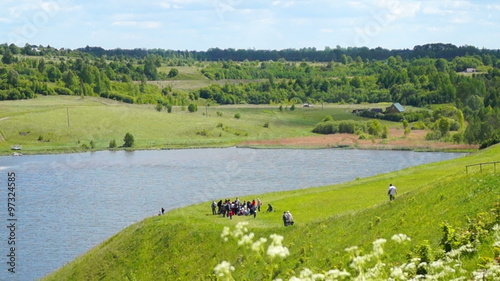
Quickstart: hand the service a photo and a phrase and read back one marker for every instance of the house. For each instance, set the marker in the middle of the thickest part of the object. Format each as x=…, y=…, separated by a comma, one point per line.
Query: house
x=470, y=70
x=307, y=105
x=395, y=108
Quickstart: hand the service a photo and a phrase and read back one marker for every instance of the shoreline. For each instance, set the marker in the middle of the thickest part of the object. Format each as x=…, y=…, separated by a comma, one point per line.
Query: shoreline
x=283, y=143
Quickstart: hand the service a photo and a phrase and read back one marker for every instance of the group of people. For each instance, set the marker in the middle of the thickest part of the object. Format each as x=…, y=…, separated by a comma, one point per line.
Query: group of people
x=228, y=208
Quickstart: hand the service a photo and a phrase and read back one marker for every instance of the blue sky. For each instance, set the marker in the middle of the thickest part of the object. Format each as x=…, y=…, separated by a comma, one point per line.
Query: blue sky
x=244, y=24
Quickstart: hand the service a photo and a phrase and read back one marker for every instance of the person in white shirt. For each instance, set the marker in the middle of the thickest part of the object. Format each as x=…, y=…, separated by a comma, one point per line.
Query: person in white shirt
x=392, y=192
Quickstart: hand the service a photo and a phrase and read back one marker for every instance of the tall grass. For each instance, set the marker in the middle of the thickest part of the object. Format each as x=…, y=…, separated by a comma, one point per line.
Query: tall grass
x=185, y=244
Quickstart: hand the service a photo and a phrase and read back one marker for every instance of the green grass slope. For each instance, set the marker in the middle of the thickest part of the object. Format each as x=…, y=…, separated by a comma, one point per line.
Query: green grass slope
x=67, y=123
x=186, y=244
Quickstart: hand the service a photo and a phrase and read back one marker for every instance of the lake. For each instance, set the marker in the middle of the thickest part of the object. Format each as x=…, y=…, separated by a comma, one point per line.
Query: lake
x=66, y=204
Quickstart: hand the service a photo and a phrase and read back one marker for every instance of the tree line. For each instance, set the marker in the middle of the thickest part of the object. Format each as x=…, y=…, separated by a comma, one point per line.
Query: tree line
x=328, y=54
x=418, y=81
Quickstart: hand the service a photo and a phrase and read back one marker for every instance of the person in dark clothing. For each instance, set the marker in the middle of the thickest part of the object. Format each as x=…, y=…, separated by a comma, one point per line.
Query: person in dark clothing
x=269, y=208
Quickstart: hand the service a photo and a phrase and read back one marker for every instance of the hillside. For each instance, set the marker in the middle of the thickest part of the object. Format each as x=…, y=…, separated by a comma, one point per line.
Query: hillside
x=71, y=124
x=186, y=244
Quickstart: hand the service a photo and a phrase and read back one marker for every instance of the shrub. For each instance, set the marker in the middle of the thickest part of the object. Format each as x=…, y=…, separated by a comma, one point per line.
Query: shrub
x=434, y=135
x=112, y=143
x=159, y=107
x=237, y=115
x=173, y=72
x=340, y=127
x=292, y=108
x=327, y=118
x=169, y=108
x=266, y=125
x=192, y=107
x=420, y=125
x=128, y=140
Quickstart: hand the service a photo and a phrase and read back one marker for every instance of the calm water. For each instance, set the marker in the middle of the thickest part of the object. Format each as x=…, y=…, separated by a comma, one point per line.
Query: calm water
x=66, y=204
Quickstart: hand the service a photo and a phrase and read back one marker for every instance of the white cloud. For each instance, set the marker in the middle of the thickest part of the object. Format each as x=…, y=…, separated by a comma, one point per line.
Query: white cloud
x=139, y=24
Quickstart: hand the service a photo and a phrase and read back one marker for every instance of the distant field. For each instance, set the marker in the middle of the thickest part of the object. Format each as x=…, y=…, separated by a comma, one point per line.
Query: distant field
x=65, y=123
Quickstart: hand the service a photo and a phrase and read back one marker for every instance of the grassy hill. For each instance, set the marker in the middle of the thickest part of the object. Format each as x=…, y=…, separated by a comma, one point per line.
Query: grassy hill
x=69, y=124
x=186, y=244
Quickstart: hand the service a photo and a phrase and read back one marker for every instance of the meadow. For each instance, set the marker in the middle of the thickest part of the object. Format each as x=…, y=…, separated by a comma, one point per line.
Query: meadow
x=438, y=204
x=54, y=124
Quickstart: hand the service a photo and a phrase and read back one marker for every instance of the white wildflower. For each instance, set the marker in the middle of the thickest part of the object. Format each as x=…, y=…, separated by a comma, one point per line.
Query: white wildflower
x=318, y=276
x=240, y=229
x=246, y=239
x=359, y=261
x=352, y=249
x=378, y=250
x=276, y=248
x=225, y=233
x=257, y=246
x=397, y=273
x=223, y=269
x=306, y=272
x=400, y=238
x=276, y=239
x=335, y=274
x=279, y=250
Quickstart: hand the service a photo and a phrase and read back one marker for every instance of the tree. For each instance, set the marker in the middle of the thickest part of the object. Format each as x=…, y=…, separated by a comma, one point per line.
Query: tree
x=128, y=140
x=443, y=125
x=173, y=72
x=8, y=57
x=13, y=78
x=192, y=107
x=159, y=107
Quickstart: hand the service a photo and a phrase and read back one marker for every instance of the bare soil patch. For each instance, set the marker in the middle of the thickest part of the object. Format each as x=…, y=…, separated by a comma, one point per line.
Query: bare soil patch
x=397, y=140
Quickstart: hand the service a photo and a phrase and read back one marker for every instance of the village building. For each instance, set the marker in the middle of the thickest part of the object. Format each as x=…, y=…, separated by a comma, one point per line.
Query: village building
x=395, y=108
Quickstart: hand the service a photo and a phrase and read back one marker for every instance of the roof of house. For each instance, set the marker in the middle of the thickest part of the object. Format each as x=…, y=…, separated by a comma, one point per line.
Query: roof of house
x=398, y=106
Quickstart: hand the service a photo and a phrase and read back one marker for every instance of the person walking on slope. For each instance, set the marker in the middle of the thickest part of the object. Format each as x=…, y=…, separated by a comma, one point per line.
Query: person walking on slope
x=392, y=192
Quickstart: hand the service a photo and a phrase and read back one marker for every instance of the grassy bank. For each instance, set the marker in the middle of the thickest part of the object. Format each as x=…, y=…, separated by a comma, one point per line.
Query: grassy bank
x=185, y=244
x=58, y=124
x=67, y=124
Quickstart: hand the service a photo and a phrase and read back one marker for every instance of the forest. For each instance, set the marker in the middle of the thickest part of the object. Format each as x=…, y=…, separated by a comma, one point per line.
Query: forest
x=465, y=79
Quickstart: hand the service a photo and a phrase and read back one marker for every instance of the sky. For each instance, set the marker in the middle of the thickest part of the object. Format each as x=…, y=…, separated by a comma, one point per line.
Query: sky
x=249, y=24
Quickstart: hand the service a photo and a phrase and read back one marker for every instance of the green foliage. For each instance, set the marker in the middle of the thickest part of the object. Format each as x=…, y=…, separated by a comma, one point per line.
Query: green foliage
x=375, y=128
x=128, y=140
x=173, y=72
x=292, y=108
x=443, y=125
x=112, y=143
x=420, y=77
x=192, y=107
x=169, y=108
x=237, y=115
x=159, y=107
x=327, y=118
x=339, y=127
